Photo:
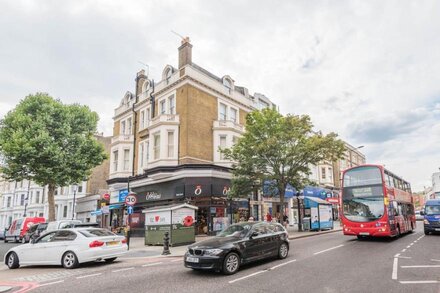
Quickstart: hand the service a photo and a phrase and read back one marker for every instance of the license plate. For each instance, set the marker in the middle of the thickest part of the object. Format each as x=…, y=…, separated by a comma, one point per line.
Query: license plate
x=364, y=233
x=437, y=229
x=110, y=243
x=192, y=259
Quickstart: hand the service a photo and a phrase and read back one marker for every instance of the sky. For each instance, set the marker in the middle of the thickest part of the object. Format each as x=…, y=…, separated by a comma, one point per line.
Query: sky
x=367, y=70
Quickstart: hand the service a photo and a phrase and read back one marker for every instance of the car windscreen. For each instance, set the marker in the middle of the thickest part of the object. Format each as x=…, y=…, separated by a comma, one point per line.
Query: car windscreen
x=96, y=233
x=432, y=210
x=237, y=230
x=32, y=228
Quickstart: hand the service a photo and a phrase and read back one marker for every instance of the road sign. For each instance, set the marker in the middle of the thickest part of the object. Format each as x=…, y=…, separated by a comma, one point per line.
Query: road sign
x=129, y=210
x=131, y=199
x=106, y=196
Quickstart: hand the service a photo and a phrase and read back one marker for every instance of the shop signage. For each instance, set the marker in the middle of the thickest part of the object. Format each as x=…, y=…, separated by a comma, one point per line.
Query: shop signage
x=152, y=195
x=198, y=190
x=123, y=194
x=332, y=200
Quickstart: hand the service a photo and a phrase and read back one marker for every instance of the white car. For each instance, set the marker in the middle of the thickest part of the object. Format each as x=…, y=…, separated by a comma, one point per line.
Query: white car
x=69, y=248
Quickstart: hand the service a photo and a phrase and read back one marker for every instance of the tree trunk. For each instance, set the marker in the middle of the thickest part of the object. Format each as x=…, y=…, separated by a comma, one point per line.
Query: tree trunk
x=51, y=201
x=282, y=193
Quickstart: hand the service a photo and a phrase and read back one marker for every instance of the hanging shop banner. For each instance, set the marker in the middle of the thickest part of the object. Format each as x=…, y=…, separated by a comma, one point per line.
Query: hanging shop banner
x=270, y=190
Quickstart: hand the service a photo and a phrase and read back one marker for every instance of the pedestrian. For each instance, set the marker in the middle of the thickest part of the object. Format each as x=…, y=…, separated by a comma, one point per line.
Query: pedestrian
x=269, y=217
x=285, y=221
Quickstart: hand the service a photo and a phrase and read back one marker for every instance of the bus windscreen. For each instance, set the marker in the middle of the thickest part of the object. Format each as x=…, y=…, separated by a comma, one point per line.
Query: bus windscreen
x=362, y=196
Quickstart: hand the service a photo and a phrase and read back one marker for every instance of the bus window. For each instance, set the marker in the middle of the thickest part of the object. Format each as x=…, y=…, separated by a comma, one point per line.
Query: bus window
x=395, y=208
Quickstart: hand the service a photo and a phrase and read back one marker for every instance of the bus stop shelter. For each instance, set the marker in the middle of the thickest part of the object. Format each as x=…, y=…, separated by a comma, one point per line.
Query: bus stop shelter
x=321, y=216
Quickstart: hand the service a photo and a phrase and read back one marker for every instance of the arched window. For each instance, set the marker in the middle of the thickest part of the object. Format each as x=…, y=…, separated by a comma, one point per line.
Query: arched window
x=227, y=83
x=145, y=86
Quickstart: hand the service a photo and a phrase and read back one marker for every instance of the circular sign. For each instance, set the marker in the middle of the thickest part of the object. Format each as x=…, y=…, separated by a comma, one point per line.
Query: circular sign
x=106, y=196
x=131, y=200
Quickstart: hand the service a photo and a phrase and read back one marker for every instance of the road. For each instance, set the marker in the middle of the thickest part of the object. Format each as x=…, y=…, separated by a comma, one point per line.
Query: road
x=324, y=263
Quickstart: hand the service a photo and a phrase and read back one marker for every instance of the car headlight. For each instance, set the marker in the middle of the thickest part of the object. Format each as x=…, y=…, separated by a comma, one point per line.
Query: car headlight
x=213, y=251
x=425, y=221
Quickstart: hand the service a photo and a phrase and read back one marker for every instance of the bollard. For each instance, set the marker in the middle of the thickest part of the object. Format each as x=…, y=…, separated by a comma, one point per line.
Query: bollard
x=166, y=244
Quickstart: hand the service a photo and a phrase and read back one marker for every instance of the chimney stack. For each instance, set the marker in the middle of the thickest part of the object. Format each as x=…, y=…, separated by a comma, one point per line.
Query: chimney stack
x=185, y=52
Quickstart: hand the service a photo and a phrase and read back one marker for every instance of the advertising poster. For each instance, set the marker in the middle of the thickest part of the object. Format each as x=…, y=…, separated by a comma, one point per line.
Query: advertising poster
x=158, y=218
x=220, y=223
x=314, y=218
x=183, y=218
x=325, y=216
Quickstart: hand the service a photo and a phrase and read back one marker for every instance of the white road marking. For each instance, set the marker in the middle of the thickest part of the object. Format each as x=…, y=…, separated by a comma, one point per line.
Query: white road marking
x=322, y=251
x=87, y=276
x=177, y=260
x=121, y=270
x=52, y=283
x=420, y=282
x=422, y=266
x=403, y=250
x=152, y=264
x=397, y=255
x=283, y=264
x=403, y=256
x=409, y=246
x=435, y=259
x=248, y=276
x=395, y=266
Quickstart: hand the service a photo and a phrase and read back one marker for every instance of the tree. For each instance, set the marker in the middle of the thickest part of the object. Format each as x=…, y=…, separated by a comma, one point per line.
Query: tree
x=280, y=149
x=50, y=143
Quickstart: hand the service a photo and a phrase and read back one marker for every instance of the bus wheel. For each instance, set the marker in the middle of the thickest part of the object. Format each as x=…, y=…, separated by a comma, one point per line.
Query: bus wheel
x=398, y=231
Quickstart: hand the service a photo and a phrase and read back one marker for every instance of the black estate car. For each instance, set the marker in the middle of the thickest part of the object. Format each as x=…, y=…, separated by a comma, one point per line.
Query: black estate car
x=238, y=244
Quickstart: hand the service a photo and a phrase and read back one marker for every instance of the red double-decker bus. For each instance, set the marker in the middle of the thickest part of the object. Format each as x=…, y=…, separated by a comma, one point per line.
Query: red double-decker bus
x=375, y=202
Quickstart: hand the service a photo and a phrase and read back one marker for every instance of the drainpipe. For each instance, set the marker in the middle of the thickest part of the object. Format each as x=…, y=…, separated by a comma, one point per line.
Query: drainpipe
x=152, y=102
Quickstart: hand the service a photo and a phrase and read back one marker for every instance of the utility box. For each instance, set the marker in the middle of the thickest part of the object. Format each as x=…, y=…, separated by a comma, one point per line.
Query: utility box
x=178, y=220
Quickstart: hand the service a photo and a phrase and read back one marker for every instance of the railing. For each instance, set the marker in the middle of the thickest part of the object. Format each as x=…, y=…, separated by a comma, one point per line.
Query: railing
x=122, y=138
x=164, y=118
x=222, y=124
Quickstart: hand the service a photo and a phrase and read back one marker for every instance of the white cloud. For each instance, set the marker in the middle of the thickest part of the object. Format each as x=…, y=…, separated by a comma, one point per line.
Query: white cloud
x=364, y=69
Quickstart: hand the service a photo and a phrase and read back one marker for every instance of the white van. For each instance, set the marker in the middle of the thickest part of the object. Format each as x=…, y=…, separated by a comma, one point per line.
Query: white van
x=55, y=225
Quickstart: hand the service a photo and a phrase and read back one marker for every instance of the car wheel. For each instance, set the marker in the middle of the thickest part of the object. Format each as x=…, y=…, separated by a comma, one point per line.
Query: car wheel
x=231, y=263
x=6, y=240
x=426, y=232
x=69, y=260
x=283, y=251
x=12, y=260
x=110, y=259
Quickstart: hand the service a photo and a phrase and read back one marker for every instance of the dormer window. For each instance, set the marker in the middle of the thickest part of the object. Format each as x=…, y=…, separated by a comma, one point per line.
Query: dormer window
x=227, y=83
x=146, y=86
x=168, y=74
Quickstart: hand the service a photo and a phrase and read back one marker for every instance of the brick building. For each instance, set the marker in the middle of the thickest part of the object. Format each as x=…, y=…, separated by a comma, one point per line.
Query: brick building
x=167, y=136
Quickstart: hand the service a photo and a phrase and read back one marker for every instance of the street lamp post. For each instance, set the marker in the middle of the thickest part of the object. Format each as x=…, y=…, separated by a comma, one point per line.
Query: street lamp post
x=299, y=212
x=74, y=186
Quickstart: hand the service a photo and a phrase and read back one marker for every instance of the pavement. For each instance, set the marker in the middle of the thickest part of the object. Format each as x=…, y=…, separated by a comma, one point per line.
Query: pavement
x=139, y=249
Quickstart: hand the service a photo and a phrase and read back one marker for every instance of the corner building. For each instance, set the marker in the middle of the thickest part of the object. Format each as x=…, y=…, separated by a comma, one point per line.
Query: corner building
x=166, y=141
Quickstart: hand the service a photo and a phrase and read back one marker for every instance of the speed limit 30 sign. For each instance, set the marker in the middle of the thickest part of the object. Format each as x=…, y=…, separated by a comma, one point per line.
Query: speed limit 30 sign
x=131, y=200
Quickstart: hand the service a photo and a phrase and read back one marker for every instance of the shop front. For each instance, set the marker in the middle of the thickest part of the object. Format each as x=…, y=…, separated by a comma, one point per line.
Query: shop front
x=208, y=194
